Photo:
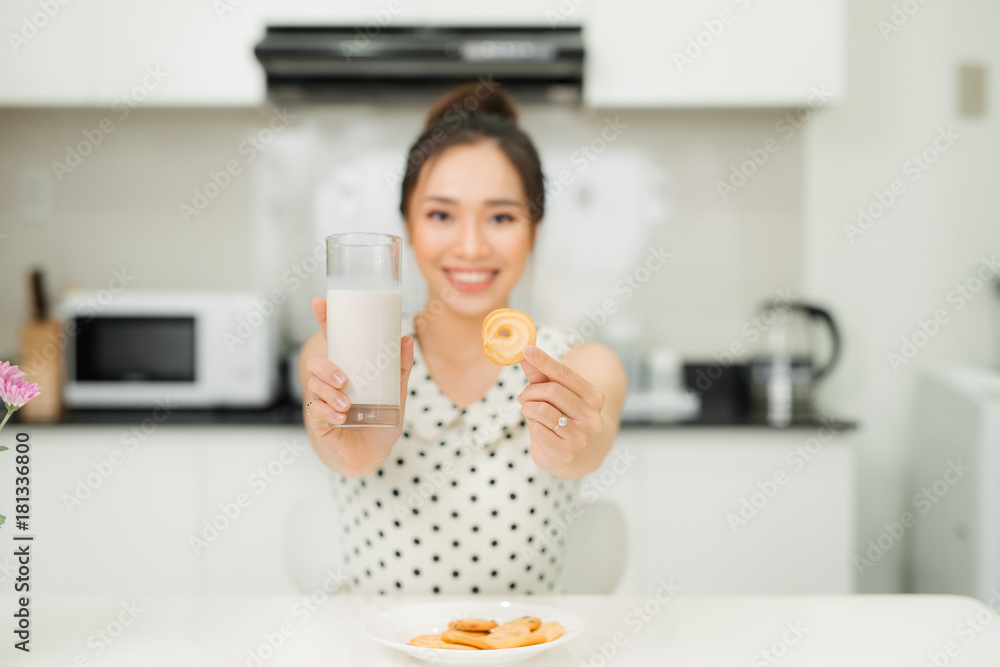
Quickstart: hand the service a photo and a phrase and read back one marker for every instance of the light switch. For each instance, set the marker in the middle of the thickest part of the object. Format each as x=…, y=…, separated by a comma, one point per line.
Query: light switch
x=972, y=89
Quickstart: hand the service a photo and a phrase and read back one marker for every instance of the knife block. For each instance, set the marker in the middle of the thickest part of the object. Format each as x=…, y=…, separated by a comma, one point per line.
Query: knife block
x=43, y=361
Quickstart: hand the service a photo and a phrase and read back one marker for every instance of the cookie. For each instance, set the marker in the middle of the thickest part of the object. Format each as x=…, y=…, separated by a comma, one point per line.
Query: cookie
x=552, y=630
x=472, y=625
x=466, y=639
x=505, y=331
x=434, y=641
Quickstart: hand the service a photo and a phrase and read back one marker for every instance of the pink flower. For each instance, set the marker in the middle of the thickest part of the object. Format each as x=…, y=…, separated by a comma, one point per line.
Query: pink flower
x=16, y=392
x=10, y=372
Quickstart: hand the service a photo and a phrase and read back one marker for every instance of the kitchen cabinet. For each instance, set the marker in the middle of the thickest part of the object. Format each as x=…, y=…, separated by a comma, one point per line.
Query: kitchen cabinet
x=735, y=511
x=165, y=509
x=509, y=12
x=715, y=53
x=372, y=15
x=174, y=508
x=49, y=55
x=122, y=55
x=186, y=53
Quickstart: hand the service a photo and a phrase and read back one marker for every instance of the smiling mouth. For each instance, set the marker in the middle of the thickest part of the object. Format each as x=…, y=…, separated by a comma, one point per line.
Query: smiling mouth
x=469, y=280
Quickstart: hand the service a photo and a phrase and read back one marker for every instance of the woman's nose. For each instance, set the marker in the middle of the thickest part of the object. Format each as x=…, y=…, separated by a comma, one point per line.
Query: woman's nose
x=472, y=241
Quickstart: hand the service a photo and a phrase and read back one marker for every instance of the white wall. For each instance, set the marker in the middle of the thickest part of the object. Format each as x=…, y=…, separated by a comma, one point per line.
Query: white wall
x=901, y=90
x=121, y=208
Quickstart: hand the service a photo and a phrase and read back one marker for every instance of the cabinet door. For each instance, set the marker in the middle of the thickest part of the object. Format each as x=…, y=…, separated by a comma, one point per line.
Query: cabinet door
x=715, y=53
x=274, y=498
x=48, y=58
x=184, y=53
x=794, y=535
x=114, y=506
x=372, y=15
x=509, y=12
x=368, y=15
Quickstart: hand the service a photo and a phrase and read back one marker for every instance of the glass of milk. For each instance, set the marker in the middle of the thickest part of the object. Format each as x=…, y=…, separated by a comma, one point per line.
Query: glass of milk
x=363, y=313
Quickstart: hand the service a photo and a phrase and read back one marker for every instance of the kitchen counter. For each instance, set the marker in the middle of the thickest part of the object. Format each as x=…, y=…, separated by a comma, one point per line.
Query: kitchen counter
x=289, y=413
x=661, y=629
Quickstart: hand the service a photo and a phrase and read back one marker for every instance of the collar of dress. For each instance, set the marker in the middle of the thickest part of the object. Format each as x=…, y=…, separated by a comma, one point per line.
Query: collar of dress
x=484, y=422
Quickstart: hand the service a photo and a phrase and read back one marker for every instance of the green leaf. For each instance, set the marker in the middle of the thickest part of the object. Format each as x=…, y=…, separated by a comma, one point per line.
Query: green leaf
x=2, y=519
x=2, y=448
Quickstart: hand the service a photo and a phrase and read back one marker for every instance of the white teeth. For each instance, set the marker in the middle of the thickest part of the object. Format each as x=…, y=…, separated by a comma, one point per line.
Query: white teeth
x=470, y=276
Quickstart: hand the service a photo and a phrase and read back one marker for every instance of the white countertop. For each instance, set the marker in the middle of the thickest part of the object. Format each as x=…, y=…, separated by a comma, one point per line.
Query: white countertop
x=839, y=631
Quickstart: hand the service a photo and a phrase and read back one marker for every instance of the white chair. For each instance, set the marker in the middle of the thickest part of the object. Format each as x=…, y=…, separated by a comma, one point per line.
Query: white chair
x=312, y=543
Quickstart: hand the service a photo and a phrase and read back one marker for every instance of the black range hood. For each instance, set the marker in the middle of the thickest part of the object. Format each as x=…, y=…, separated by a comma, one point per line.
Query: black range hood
x=398, y=64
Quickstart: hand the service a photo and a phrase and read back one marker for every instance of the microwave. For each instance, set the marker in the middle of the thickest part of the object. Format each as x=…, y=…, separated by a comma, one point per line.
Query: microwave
x=189, y=349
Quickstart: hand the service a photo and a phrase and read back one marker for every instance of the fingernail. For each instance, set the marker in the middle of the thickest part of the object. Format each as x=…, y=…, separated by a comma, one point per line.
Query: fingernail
x=338, y=378
x=341, y=402
x=530, y=350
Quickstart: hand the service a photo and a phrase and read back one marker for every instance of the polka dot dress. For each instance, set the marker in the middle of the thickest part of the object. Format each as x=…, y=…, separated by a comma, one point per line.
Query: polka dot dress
x=459, y=506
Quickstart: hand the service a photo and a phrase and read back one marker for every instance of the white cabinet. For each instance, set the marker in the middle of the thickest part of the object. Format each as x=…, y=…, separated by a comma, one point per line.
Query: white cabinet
x=242, y=510
x=119, y=55
x=506, y=13
x=113, y=518
x=735, y=511
x=369, y=15
x=372, y=15
x=715, y=53
x=179, y=509
x=48, y=55
x=182, y=53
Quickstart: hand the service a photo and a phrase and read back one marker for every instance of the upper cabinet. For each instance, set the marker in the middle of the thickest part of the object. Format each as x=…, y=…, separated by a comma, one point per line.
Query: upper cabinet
x=372, y=15
x=117, y=53
x=179, y=53
x=48, y=55
x=715, y=53
x=640, y=53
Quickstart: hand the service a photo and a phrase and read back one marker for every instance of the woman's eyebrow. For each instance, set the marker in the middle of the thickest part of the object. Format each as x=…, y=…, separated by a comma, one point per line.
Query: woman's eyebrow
x=490, y=202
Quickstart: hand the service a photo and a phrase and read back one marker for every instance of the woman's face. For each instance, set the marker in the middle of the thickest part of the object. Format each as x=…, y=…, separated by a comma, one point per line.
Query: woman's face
x=469, y=227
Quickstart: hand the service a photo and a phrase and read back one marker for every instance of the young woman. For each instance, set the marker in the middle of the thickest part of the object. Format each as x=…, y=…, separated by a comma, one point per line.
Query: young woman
x=474, y=490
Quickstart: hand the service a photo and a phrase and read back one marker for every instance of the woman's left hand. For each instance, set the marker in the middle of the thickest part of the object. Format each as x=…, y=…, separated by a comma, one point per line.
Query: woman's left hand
x=555, y=391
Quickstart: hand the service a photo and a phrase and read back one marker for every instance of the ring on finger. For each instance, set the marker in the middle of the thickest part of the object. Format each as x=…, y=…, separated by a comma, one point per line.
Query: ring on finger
x=562, y=422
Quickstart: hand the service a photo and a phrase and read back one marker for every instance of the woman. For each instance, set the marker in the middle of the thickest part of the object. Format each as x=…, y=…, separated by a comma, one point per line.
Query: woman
x=472, y=492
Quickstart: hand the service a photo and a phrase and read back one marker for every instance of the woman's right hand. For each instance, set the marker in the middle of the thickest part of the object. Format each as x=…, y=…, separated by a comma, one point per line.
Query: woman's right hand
x=351, y=452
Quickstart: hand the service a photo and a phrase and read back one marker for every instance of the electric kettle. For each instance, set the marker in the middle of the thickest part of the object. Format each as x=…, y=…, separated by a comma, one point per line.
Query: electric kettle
x=786, y=367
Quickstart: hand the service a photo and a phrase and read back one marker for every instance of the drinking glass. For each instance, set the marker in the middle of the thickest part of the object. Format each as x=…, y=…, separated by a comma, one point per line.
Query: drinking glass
x=363, y=323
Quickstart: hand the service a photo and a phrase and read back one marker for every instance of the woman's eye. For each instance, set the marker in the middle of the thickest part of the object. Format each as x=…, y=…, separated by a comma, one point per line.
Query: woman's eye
x=502, y=217
x=438, y=215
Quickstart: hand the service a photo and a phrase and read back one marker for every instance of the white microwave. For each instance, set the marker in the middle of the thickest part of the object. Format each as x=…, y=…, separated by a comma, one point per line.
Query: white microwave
x=190, y=349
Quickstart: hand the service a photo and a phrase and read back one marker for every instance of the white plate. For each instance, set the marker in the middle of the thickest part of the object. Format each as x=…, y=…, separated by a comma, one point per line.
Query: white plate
x=397, y=626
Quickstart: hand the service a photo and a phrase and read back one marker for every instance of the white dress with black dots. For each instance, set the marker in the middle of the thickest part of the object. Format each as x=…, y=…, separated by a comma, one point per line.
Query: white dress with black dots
x=459, y=506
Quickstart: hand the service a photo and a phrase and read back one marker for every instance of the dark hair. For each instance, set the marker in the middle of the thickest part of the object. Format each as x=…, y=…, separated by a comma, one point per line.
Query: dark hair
x=468, y=114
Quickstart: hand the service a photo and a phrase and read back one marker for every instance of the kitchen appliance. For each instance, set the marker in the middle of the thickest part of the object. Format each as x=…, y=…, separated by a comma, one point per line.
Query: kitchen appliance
x=189, y=349
x=721, y=389
x=953, y=536
x=397, y=63
x=785, y=370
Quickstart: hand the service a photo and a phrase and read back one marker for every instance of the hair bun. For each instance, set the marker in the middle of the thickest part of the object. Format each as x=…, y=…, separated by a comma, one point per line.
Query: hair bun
x=480, y=97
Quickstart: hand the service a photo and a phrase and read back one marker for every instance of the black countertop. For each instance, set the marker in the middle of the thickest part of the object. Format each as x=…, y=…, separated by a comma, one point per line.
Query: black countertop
x=289, y=413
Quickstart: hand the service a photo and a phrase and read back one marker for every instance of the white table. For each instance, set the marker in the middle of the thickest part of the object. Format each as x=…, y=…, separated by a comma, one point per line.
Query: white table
x=825, y=630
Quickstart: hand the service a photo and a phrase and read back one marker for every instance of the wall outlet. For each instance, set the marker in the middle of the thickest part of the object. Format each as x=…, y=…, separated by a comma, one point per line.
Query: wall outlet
x=35, y=194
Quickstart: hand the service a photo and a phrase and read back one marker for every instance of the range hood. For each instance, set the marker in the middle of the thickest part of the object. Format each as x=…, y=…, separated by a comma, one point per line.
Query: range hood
x=419, y=63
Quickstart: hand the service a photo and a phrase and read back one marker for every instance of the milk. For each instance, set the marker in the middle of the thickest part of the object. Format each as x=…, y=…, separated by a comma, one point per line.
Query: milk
x=362, y=338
